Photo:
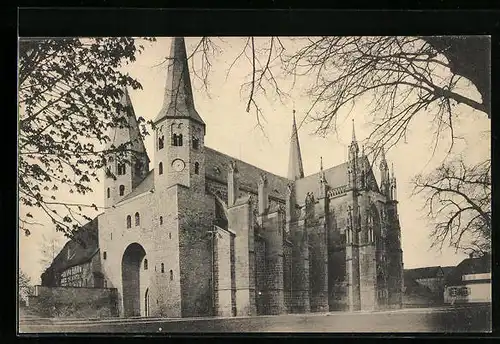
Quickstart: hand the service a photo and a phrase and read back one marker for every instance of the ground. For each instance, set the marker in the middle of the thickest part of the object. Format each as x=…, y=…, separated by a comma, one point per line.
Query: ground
x=444, y=319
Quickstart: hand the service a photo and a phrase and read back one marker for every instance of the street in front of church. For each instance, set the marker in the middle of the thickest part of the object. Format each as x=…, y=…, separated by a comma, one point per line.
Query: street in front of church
x=462, y=319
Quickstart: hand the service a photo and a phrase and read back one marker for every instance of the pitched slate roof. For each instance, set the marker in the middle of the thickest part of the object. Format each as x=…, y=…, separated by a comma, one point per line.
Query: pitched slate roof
x=147, y=184
x=469, y=266
x=412, y=287
x=79, y=250
x=335, y=176
x=217, y=166
x=178, y=98
x=426, y=272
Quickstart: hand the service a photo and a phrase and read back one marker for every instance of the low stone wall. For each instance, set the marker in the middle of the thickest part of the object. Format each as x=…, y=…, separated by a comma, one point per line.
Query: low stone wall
x=75, y=302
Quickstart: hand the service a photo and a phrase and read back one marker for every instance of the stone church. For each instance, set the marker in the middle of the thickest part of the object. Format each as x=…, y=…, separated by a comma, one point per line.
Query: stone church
x=203, y=233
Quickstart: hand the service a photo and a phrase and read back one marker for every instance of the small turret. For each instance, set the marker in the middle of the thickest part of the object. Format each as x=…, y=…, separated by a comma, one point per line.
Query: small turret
x=263, y=193
x=393, y=185
x=353, y=168
x=323, y=185
x=233, y=187
x=384, y=175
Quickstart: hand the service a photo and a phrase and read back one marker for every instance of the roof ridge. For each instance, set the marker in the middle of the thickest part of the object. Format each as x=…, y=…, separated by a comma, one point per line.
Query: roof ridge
x=247, y=163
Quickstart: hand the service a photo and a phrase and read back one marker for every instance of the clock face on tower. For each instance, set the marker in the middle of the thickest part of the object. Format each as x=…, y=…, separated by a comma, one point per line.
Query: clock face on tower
x=178, y=165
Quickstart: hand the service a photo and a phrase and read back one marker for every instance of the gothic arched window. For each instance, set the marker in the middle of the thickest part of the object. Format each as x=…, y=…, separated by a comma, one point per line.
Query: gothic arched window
x=161, y=220
x=160, y=168
x=196, y=168
x=137, y=219
x=171, y=275
x=162, y=268
x=196, y=143
x=161, y=141
x=108, y=192
x=122, y=169
x=122, y=190
x=145, y=264
x=177, y=140
x=129, y=221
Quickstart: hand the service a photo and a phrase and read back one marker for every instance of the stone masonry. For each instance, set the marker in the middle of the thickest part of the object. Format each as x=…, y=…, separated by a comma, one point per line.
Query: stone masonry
x=205, y=234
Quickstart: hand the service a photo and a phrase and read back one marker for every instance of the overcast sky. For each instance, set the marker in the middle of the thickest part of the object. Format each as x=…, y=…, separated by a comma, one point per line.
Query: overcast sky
x=231, y=130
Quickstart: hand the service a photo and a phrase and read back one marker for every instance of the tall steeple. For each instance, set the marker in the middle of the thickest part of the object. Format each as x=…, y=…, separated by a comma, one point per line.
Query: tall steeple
x=178, y=98
x=295, y=169
x=384, y=174
x=127, y=167
x=134, y=132
x=353, y=147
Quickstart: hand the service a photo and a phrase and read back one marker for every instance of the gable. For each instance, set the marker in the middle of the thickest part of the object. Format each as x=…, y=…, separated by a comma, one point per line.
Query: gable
x=78, y=250
x=424, y=273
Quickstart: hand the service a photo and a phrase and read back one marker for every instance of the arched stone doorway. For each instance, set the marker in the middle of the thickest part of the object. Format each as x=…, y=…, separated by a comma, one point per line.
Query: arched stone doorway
x=131, y=270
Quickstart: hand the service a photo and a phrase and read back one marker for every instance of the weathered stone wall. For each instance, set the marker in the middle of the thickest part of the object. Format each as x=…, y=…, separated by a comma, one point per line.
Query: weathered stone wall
x=222, y=273
x=196, y=218
x=287, y=275
x=300, y=263
x=75, y=302
x=233, y=275
x=337, y=268
x=394, y=258
x=240, y=220
x=261, y=295
x=273, y=236
x=367, y=256
x=159, y=241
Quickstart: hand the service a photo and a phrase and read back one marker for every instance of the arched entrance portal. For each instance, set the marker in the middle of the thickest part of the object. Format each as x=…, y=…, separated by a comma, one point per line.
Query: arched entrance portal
x=131, y=267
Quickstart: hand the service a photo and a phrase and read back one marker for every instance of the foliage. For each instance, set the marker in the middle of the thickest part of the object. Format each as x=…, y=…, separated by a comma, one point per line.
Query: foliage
x=459, y=204
x=49, y=249
x=69, y=92
x=25, y=286
x=403, y=77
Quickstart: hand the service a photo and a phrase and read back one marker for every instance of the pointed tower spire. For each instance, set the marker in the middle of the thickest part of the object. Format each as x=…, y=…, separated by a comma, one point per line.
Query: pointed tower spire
x=383, y=161
x=353, y=147
x=353, y=132
x=322, y=177
x=178, y=99
x=134, y=131
x=295, y=169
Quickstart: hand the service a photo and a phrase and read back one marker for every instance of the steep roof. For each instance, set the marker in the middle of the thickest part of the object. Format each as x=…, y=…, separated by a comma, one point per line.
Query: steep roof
x=469, y=266
x=217, y=165
x=78, y=250
x=425, y=272
x=147, y=184
x=412, y=287
x=134, y=130
x=335, y=176
x=178, y=98
x=447, y=270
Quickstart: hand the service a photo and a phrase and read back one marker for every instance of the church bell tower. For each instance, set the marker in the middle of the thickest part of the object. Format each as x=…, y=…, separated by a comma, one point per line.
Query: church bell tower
x=179, y=129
